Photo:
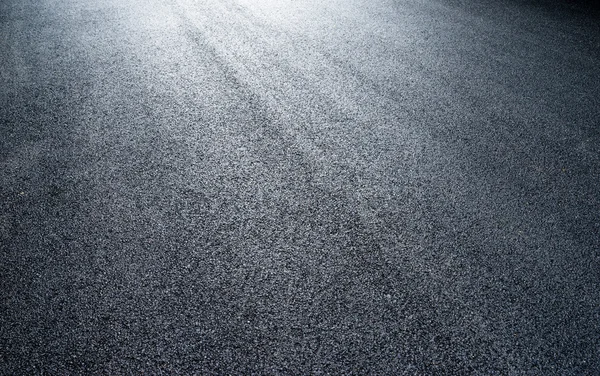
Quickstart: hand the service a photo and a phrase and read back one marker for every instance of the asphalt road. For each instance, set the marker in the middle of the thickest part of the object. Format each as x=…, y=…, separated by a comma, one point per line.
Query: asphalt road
x=298, y=187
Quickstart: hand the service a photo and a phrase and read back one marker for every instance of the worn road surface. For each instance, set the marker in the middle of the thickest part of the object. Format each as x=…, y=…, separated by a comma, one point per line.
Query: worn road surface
x=344, y=187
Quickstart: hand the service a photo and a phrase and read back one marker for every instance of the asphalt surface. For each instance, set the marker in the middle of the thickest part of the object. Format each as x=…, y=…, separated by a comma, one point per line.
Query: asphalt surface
x=299, y=187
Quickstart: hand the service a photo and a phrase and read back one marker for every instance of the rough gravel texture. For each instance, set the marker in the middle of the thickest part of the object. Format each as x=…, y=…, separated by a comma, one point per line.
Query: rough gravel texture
x=344, y=187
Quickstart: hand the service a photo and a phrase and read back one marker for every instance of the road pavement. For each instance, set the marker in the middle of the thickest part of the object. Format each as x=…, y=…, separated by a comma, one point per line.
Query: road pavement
x=268, y=187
